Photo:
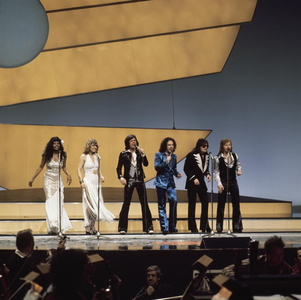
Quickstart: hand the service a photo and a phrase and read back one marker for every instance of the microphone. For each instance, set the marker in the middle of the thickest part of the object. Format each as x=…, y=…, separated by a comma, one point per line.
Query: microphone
x=210, y=155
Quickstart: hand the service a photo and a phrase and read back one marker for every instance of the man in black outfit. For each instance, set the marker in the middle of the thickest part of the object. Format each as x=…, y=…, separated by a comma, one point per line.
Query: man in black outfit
x=154, y=289
x=133, y=159
x=196, y=168
x=226, y=167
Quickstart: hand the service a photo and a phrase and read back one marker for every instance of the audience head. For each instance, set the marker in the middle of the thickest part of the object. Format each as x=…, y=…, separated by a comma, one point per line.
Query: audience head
x=153, y=275
x=68, y=268
x=274, y=249
x=297, y=258
x=25, y=241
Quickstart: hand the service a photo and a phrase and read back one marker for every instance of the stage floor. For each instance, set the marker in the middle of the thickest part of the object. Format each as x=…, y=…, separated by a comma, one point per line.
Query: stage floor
x=113, y=242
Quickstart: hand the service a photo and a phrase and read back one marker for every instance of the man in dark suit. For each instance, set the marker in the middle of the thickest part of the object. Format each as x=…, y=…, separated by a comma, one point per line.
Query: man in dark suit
x=20, y=262
x=196, y=167
x=154, y=289
x=133, y=159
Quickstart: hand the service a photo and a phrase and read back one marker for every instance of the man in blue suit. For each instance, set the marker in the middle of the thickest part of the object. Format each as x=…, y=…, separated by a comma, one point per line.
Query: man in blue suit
x=166, y=167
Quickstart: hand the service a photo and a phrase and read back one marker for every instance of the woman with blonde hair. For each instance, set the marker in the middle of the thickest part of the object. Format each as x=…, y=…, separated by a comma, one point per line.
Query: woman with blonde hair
x=89, y=161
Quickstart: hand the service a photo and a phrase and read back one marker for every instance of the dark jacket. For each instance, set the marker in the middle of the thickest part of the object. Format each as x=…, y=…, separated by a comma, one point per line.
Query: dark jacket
x=125, y=158
x=195, y=168
x=165, y=172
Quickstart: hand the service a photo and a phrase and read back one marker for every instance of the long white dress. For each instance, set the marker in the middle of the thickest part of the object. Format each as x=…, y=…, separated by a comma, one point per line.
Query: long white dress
x=90, y=198
x=51, y=189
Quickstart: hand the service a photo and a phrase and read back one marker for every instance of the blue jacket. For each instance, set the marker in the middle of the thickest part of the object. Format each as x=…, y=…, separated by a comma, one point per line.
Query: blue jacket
x=165, y=172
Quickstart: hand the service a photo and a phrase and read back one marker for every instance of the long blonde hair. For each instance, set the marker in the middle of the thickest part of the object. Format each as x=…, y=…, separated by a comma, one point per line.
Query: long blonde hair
x=88, y=145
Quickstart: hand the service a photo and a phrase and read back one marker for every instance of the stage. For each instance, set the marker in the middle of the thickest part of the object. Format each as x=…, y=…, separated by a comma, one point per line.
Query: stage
x=134, y=242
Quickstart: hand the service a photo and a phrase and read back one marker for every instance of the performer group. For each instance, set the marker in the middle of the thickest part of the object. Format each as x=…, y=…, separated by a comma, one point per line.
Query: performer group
x=131, y=175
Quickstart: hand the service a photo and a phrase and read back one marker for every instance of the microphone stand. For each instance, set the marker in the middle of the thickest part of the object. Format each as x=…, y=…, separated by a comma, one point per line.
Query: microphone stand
x=60, y=234
x=98, y=200
x=211, y=198
x=144, y=188
x=227, y=196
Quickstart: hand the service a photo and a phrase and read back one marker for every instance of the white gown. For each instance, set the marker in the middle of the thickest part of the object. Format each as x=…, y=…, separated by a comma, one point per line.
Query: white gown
x=51, y=189
x=90, y=198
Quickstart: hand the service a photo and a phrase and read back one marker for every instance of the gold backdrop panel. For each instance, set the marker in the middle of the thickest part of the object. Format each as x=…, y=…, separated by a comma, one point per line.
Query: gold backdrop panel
x=75, y=71
x=83, y=26
x=186, y=48
x=201, y=13
x=144, y=18
x=207, y=13
x=7, y=89
x=141, y=19
x=35, y=80
x=242, y=11
x=115, y=65
x=59, y=4
x=154, y=59
x=221, y=41
x=18, y=167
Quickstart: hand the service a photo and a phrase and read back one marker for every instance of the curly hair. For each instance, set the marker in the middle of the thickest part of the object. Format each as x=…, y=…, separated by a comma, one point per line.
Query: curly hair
x=48, y=152
x=163, y=146
x=199, y=143
x=88, y=145
x=127, y=141
x=222, y=143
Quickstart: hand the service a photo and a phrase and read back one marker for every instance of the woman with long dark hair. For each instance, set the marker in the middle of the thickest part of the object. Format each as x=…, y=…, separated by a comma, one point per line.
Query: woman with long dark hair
x=89, y=161
x=196, y=168
x=54, y=157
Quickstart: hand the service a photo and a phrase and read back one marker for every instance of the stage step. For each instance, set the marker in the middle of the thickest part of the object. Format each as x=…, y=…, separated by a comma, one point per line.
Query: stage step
x=135, y=226
x=36, y=210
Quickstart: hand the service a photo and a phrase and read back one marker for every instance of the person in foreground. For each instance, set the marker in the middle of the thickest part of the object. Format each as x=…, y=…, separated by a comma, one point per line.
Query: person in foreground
x=196, y=168
x=55, y=159
x=226, y=167
x=89, y=161
x=271, y=263
x=133, y=159
x=166, y=167
x=154, y=289
x=20, y=262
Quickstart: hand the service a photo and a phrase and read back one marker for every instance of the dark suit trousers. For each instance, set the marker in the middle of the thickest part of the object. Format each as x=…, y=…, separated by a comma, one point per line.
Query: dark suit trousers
x=236, y=215
x=146, y=214
x=191, y=209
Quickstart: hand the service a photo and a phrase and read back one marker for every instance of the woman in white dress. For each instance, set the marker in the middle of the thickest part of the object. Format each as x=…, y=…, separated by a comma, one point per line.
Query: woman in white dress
x=54, y=151
x=89, y=161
